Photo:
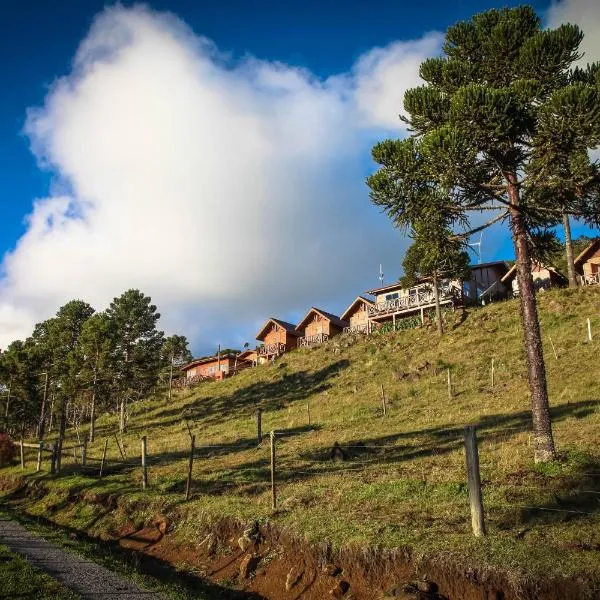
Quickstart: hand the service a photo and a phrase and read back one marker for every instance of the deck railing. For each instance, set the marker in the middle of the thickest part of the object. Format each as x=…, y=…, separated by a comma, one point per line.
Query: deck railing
x=423, y=297
x=360, y=328
x=313, y=340
x=270, y=349
x=592, y=279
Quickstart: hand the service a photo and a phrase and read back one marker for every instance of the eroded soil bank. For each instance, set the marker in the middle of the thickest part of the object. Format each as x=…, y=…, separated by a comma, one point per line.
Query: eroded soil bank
x=258, y=561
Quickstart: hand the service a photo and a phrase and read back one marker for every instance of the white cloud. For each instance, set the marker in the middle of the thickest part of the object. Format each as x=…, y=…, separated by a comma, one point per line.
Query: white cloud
x=585, y=14
x=228, y=191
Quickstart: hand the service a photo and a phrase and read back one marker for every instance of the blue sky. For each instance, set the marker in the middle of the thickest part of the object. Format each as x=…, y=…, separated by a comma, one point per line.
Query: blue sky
x=333, y=44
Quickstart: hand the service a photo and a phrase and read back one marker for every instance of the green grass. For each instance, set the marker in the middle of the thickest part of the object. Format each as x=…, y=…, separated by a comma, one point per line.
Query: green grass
x=406, y=486
x=19, y=579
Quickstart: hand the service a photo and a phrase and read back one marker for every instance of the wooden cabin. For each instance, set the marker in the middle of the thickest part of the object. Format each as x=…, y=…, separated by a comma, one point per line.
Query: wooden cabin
x=485, y=283
x=249, y=358
x=357, y=316
x=396, y=301
x=544, y=278
x=587, y=264
x=318, y=326
x=218, y=366
x=277, y=337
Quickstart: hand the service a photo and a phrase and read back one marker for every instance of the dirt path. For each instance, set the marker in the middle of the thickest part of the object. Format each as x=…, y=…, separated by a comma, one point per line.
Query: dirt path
x=90, y=580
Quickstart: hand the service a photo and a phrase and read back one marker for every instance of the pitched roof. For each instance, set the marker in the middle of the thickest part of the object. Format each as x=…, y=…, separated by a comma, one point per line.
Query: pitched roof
x=508, y=275
x=500, y=263
x=591, y=246
x=207, y=359
x=385, y=288
x=358, y=299
x=330, y=317
x=283, y=324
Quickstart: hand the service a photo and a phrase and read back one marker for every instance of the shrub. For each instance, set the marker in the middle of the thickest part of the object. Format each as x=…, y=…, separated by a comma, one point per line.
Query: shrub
x=8, y=450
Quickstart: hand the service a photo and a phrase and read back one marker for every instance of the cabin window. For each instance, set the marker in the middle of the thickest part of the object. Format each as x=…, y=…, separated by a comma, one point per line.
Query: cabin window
x=393, y=296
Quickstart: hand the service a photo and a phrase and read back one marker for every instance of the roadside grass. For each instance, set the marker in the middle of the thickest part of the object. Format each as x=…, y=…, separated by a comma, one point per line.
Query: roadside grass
x=150, y=574
x=19, y=579
x=402, y=481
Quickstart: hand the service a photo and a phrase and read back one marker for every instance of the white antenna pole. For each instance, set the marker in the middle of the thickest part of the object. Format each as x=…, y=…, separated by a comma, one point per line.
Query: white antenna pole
x=478, y=244
x=381, y=274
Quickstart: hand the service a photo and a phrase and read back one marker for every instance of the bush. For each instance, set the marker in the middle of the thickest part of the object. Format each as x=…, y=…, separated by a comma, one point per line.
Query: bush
x=8, y=450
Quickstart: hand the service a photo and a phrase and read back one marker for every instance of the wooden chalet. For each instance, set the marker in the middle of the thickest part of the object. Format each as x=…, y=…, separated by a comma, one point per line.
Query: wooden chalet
x=318, y=326
x=485, y=282
x=248, y=357
x=396, y=301
x=544, y=278
x=587, y=264
x=277, y=337
x=218, y=366
x=357, y=316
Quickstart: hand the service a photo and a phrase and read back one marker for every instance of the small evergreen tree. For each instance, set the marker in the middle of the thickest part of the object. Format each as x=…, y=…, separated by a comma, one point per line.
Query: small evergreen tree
x=435, y=254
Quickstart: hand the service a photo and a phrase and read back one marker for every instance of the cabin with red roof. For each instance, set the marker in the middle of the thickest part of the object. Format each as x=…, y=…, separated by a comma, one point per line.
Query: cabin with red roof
x=218, y=366
x=277, y=337
x=318, y=326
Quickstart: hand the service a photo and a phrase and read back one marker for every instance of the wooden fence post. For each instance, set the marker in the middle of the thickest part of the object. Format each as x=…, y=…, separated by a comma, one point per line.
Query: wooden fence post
x=308, y=411
x=493, y=373
x=53, y=458
x=121, y=450
x=103, y=458
x=273, y=489
x=144, y=467
x=383, y=401
x=22, y=455
x=449, y=384
x=474, y=481
x=259, y=426
x=589, y=329
x=553, y=348
x=188, y=486
x=39, y=458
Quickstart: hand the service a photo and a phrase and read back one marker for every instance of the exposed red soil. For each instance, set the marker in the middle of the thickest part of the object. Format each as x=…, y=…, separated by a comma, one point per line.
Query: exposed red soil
x=276, y=566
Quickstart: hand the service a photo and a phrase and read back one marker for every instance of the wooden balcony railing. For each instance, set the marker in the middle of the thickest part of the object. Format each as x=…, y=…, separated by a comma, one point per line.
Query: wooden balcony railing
x=360, y=328
x=313, y=340
x=423, y=297
x=592, y=279
x=270, y=349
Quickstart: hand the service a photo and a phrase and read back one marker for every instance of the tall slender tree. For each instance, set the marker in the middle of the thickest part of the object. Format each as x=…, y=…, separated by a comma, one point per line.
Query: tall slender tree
x=175, y=352
x=136, y=346
x=435, y=254
x=478, y=120
x=94, y=363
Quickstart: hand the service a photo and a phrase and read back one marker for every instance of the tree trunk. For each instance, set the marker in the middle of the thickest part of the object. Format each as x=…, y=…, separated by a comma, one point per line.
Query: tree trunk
x=438, y=310
x=8, y=402
x=40, y=431
x=93, y=404
x=569, y=249
x=543, y=441
x=171, y=376
x=62, y=426
x=122, y=419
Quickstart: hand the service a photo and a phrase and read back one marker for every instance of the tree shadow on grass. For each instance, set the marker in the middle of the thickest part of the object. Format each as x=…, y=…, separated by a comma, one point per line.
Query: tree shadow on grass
x=268, y=395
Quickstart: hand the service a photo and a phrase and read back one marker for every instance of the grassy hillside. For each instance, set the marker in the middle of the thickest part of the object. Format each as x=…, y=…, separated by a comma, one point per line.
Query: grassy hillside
x=402, y=482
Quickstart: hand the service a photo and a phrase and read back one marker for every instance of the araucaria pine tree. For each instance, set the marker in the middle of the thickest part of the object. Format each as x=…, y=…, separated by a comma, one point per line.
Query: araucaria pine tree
x=435, y=255
x=480, y=131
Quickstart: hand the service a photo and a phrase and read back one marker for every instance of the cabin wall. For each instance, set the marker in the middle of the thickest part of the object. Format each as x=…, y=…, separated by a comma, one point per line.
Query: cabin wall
x=317, y=326
x=592, y=263
x=209, y=369
x=360, y=317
